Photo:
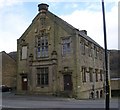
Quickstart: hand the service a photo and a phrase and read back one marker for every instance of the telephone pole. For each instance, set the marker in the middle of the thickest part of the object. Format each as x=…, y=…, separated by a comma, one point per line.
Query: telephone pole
x=107, y=98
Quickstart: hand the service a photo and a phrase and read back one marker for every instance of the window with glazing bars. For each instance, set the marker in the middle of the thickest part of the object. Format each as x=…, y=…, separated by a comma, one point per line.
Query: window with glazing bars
x=82, y=48
x=42, y=76
x=42, y=47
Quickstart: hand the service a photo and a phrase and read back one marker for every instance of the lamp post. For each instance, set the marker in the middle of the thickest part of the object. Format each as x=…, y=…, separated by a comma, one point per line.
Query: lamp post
x=106, y=60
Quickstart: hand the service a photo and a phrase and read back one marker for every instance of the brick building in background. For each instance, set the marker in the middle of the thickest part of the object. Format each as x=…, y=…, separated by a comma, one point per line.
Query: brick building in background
x=56, y=58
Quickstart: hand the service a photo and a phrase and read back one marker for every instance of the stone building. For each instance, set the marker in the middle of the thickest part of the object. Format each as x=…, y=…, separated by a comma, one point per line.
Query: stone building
x=114, y=59
x=7, y=70
x=56, y=58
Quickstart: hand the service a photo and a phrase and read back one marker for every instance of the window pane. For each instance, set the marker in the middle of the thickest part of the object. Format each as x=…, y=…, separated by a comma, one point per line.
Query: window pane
x=38, y=49
x=41, y=70
x=38, y=52
x=68, y=47
x=46, y=70
x=46, y=42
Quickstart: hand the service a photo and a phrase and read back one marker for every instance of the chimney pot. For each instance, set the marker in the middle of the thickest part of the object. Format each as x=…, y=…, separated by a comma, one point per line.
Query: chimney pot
x=43, y=7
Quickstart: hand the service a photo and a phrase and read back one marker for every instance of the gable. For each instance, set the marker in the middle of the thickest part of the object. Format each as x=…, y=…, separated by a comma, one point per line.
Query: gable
x=51, y=17
x=56, y=23
x=7, y=58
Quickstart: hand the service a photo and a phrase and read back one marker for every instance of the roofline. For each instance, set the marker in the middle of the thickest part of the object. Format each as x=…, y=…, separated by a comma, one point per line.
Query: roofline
x=8, y=55
x=89, y=39
x=66, y=23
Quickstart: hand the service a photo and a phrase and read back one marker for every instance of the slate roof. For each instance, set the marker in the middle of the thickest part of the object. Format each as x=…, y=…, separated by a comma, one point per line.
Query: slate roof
x=13, y=55
x=88, y=38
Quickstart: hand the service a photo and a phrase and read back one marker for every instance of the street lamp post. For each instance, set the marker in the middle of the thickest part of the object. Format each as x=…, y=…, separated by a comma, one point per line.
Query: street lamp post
x=106, y=60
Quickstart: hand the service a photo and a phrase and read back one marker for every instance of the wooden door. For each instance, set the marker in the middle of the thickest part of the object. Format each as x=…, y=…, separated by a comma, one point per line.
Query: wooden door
x=24, y=83
x=67, y=82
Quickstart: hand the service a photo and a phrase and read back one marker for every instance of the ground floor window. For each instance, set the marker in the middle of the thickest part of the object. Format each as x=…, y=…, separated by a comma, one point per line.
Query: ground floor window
x=101, y=94
x=92, y=95
x=115, y=93
x=97, y=94
x=42, y=76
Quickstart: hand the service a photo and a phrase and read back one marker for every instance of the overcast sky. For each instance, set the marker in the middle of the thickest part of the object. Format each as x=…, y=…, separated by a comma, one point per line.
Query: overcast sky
x=17, y=15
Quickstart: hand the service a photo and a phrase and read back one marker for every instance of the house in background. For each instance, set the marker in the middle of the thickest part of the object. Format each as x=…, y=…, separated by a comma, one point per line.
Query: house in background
x=56, y=58
x=8, y=70
x=13, y=55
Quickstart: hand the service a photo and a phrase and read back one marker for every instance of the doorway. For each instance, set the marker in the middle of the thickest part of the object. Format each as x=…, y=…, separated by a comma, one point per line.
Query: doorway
x=67, y=82
x=24, y=83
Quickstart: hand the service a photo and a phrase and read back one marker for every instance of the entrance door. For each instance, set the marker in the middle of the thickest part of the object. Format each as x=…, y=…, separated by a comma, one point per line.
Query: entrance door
x=67, y=83
x=24, y=83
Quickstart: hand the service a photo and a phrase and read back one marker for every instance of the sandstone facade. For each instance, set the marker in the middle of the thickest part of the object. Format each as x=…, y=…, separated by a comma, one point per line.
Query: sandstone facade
x=56, y=58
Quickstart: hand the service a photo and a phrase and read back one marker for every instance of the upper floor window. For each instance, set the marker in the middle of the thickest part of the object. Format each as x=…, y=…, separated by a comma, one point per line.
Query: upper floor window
x=96, y=53
x=83, y=48
x=100, y=55
x=101, y=75
x=42, y=47
x=89, y=50
x=83, y=74
x=96, y=75
x=24, y=53
x=91, y=74
x=66, y=46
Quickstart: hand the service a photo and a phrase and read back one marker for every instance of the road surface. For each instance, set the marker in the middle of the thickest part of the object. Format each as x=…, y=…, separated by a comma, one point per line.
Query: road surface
x=9, y=100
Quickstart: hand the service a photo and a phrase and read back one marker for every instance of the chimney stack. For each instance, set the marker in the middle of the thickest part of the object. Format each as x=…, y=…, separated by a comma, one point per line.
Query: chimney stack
x=43, y=8
x=83, y=31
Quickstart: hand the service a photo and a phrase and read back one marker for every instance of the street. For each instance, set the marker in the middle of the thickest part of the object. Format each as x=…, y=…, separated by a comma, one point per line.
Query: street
x=10, y=100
